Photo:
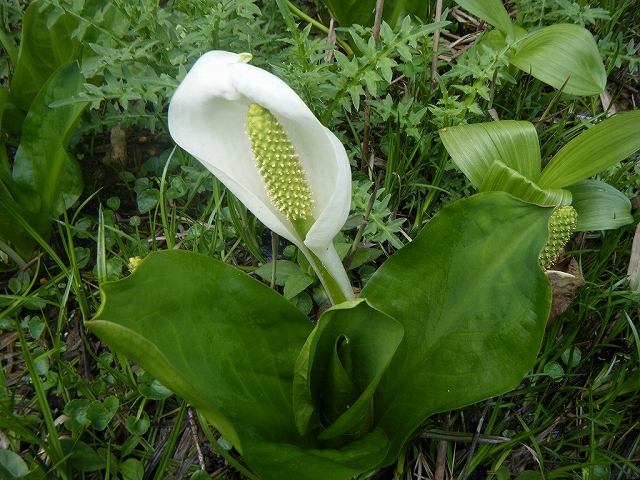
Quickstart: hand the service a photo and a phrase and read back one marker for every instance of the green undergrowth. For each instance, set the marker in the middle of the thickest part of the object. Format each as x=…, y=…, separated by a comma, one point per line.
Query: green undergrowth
x=71, y=408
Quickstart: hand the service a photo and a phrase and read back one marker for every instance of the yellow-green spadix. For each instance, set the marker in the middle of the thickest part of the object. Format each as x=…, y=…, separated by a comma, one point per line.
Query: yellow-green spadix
x=208, y=118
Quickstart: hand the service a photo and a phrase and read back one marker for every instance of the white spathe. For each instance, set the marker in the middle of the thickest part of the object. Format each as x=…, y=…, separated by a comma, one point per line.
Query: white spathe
x=207, y=117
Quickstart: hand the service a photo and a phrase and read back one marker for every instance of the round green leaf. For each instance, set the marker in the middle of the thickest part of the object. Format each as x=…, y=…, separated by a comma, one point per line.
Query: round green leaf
x=131, y=469
x=138, y=426
x=571, y=357
x=554, y=370
x=81, y=456
x=200, y=475
x=100, y=414
x=148, y=199
x=12, y=466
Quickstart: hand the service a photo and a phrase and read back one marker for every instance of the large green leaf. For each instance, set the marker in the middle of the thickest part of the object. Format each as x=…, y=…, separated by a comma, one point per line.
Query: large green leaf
x=42, y=165
x=501, y=178
x=473, y=302
x=474, y=148
x=200, y=327
x=560, y=52
x=227, y=344
x=599, y=206
x=594, y=150
x=44, y=47
x=468, y=292
x=491, y=11
x=45, y=178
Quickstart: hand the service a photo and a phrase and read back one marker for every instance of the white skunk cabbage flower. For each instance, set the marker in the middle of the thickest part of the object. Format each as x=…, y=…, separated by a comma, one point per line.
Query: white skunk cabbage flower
x=257, y=136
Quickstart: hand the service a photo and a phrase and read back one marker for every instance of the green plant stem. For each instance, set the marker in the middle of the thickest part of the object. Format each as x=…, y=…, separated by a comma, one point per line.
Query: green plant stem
x=300, y=14
x=13, y=255
x=171, y=442
x=330, y=270
x=169, y=231
x=339, y=289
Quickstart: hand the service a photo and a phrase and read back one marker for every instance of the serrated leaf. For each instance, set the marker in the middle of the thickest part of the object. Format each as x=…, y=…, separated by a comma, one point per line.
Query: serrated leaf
x=385, y=231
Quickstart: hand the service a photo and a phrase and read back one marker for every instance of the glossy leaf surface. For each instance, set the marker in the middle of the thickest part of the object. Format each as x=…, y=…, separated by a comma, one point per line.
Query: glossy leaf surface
x=228, y=344
x=192, y=336
x=44, y=48
x=504, y=179
x=42, y=163
x=454, y=317
x=340, y=367
x=45, y=178
x=473, y=302
x=560, y=52
x=482, y=151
